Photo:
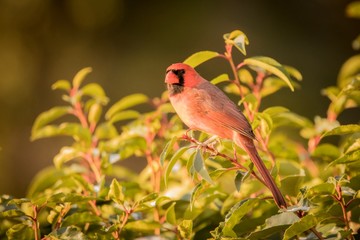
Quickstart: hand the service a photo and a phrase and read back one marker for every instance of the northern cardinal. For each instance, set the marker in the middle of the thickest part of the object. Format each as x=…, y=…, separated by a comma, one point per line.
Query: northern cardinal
x=203, y=106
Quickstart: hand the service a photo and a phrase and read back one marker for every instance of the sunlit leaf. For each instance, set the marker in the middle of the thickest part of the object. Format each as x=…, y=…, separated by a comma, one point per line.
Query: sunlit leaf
x=81, y=219
x=343, y=129
x=170, y=214
x=271, y=66
x=299, y=227
x=142, y=226
x=219, y=79
x=275, y=224
x=236, y=213
x=61, y=84
x=96, y=91
x=66, y=154
x=11, y=213
x=168, y=147
x=19, y=231
x=50, y=116
x=200, y=57
x=245, y=76
x=126, y=102
x=238, y=39
x=238, y=180
x=115, y=192
x=293, y=72
x=105, y=131
x=80, y=76
x=348, y=71
x=185, y=228
x=351, y=157
x=124, y=115
x=199, y=167
x=172, y=162
x=95, y=113
x=70, y=232
x=273, y=111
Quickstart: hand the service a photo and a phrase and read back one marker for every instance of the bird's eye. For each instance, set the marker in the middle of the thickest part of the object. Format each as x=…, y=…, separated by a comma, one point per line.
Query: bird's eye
x=178, y=72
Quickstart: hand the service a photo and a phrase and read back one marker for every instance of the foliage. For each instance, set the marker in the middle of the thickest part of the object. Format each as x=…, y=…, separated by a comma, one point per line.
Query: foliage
x=189, y=190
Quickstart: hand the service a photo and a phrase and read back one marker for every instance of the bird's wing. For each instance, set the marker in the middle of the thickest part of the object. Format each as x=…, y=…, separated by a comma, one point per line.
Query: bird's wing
x=224, y=112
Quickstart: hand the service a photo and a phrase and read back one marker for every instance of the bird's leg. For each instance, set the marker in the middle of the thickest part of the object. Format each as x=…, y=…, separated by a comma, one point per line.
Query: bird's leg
x=209, y=143
x=210, y=140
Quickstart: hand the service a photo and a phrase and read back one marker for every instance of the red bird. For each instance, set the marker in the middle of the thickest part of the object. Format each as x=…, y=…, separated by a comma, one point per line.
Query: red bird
x=202, y=106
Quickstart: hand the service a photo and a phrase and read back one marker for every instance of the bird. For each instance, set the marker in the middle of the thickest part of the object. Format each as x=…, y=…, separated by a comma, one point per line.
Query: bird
x=204, y=107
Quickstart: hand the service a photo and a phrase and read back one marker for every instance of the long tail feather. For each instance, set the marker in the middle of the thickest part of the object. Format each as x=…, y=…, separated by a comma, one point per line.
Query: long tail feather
x=248, y=145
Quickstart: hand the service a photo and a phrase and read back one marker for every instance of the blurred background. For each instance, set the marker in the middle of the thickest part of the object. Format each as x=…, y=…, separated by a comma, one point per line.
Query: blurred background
x=129, y=44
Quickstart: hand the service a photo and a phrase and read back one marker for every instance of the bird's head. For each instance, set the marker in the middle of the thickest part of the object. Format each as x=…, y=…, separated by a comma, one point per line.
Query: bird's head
x=180, y=75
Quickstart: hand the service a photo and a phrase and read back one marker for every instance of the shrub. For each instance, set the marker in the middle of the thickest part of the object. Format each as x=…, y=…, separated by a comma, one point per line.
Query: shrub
x=188, y=190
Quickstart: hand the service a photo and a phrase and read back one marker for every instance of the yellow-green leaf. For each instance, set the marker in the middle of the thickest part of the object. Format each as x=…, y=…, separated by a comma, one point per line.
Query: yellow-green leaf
x=80, y=76
x=271, y=66
x=219, y=79
x=200, y=57
x=126, y=102
x=50, y=116
x=238, y=39
x=61, y=84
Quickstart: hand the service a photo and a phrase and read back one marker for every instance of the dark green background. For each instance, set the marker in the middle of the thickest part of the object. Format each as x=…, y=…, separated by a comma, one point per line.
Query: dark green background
x=130, y=43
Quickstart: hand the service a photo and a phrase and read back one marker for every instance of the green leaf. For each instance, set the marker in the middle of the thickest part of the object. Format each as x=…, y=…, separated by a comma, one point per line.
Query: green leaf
x=96, y=91
x=81, y=219
x=75, y=130
x=126, y=102
x=239, y=179
x=185, y=228
x=66, y=154
x=276, y=110
x=343, y=129
x=19, y=231
x=348, y=158
x=299, y=227
x=200, y=57
x=68, y=233
x=12, y=213
x=105, y=131
x=236, y=213
x=194, y=194
x=200, y=168
x=50, y=116
x=172, y=162
x=95, y=113
x=124, y=115
x=272, y=66
x=293, y=72
x=348, y=71
x=322, y=189
x=168, y=147
x=115, y=191
x=148, y=198
x=245, y=76
x=219, y=79
x=238, y=39
x=170, y=214
x=80, y=76
x=142, y=226
x=275, y=224
x=61, y=84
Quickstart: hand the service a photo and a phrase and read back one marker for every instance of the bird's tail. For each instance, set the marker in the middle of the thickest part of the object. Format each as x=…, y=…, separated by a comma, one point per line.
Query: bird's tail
x=248, y=145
